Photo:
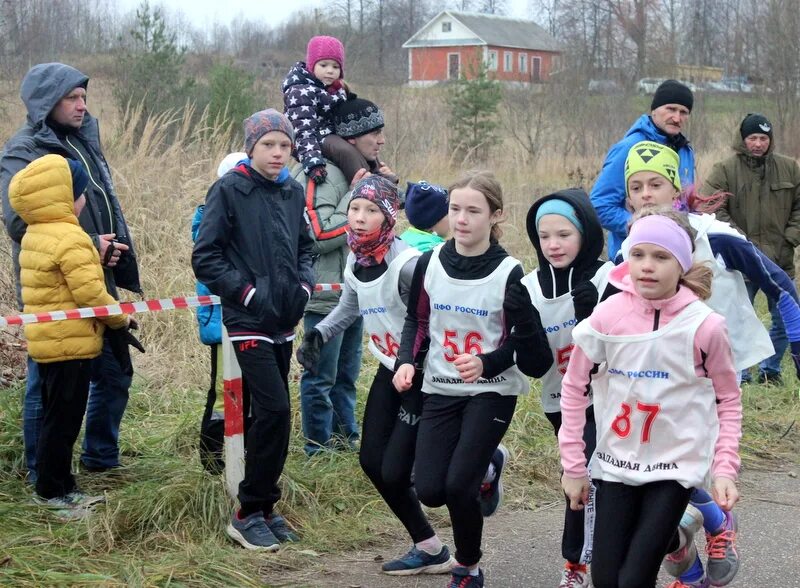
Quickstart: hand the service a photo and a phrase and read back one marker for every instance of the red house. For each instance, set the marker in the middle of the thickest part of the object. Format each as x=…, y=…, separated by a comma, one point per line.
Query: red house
x=452, y=44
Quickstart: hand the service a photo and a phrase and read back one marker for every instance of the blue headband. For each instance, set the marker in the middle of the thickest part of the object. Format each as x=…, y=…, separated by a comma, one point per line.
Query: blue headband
x=561, y=208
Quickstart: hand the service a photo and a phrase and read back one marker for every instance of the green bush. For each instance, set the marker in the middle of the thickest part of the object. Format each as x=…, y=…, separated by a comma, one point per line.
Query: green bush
x=473, y=114
x=150, y=74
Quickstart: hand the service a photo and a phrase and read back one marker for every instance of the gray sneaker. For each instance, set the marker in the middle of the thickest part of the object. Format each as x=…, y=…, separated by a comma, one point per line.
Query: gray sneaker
x=681, y=560
x=723, y=559
x=281, y=529
x=252, y=532
x=63, y=508
x=80, y=499
x=417, y=561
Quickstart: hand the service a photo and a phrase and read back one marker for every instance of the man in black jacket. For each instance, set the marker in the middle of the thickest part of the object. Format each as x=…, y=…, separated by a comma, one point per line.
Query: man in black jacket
x=254, y=250
x=58, y=122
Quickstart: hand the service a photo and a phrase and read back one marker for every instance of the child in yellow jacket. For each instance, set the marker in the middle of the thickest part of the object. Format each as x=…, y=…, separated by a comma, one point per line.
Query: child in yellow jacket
x=60, y=270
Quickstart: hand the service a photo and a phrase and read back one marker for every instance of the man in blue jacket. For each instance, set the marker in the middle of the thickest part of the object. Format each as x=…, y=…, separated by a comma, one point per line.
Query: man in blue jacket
x=669, y=112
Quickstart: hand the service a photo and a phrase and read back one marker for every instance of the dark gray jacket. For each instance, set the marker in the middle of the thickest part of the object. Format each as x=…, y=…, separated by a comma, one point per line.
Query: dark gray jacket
x=42, y=88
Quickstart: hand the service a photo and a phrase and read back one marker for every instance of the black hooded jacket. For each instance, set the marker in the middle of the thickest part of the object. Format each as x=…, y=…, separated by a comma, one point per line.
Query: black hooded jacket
x=587, y=261
x=254, y=234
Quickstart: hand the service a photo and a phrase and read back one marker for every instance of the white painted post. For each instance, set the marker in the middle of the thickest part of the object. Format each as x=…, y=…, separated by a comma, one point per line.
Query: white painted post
x=234, y=417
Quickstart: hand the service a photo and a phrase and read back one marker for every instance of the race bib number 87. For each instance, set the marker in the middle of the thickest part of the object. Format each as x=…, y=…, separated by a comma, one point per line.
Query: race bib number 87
x=622, y=425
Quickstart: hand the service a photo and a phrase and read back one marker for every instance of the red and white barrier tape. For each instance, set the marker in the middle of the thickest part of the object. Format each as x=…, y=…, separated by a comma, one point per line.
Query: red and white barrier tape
x=128, y=308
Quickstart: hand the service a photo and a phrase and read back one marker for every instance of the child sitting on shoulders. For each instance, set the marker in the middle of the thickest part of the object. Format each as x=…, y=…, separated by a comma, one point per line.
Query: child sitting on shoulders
x=311, y=90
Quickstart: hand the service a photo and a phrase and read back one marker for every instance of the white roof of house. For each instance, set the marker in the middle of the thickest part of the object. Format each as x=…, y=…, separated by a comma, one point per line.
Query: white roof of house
x=485, y=29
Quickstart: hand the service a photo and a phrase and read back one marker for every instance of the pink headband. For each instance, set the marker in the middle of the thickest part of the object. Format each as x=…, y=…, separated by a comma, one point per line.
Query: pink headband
x=666, y=233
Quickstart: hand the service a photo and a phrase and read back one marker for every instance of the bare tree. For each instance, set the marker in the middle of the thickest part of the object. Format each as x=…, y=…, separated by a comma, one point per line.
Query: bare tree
x=632, y=17
x=783, y=53
x=492, y=6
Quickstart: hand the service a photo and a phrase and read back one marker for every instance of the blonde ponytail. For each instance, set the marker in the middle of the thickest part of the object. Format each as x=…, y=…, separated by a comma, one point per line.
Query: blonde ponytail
x=698, y=280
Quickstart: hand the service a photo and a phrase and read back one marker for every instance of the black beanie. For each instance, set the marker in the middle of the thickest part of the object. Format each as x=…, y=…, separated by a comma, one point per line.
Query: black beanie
x=357, y=117
x=672, y=92
x=755, y=123
x=426, y=204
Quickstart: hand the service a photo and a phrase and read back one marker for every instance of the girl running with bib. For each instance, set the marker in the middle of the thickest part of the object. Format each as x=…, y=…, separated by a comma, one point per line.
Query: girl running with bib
x=566, y=233
x=377, y=281
x=667, y=404
x=466, y=301
x=652, y=182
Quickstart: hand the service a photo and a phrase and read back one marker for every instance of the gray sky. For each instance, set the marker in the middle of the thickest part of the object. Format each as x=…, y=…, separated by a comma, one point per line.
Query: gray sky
x=204, y=12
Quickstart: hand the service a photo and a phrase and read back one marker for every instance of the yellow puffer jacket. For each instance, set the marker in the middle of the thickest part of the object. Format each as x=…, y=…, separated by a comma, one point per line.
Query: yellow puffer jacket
x=60, y=266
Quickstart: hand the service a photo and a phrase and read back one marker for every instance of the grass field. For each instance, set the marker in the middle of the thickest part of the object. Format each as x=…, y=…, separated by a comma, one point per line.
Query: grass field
x=163, y=524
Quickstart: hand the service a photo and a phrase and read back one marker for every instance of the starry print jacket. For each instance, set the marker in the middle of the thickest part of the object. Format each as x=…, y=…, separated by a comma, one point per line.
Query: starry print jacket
x=309, y=106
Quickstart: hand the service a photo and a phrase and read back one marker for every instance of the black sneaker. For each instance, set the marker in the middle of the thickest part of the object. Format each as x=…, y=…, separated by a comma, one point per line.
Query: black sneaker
x=280, y=528
x=418, y=561
x=491, y=493
x=460, y=578
x=95, y=469
x=771, y=378
x=252, y=532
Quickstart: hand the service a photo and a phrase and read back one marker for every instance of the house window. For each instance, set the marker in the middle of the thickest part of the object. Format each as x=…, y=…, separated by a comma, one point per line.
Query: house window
x=447, y=26
x=492, y=62
x=508, y=61
x=523, y=63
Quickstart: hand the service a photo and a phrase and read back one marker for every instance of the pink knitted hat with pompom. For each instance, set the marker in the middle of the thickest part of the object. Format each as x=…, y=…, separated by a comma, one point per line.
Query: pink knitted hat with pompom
x=323, y=47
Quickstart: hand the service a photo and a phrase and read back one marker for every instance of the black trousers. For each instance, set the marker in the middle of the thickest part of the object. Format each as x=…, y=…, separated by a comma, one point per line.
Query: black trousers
x=572, y=539
x=457, y=437
x=389, y=438
x=265, y=371
x=635, y=527
x=65, y=389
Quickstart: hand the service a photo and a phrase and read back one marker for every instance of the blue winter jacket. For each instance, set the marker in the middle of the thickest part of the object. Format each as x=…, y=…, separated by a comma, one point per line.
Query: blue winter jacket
x=209, y=318
x=608, y=193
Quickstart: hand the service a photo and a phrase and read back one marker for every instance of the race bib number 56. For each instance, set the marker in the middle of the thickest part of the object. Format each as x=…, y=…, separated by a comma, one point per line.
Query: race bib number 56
x=386, y=344
x=455, y=345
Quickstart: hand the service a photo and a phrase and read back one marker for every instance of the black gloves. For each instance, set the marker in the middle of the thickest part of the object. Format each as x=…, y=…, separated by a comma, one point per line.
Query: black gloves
x=318, y=174
x=795, y=352
x=120, y=340
x=519, y=309
x=584, y=299
x=308, y=353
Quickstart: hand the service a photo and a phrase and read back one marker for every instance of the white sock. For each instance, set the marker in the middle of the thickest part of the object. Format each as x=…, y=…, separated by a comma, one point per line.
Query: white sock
x=490, y=474
x=432, y=546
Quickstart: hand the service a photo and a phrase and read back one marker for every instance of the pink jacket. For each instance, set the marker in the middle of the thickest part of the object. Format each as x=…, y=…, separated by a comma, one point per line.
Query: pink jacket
x=627, y=313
